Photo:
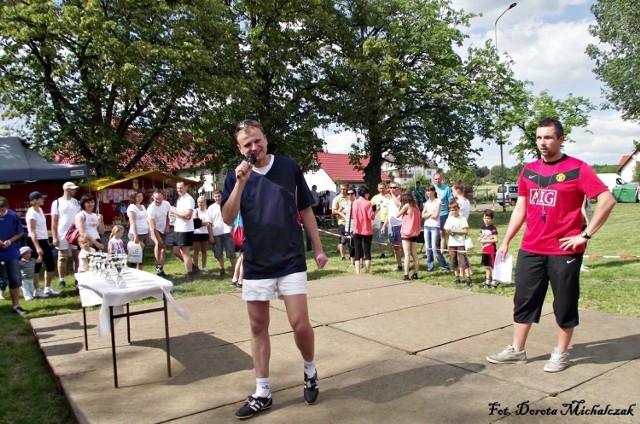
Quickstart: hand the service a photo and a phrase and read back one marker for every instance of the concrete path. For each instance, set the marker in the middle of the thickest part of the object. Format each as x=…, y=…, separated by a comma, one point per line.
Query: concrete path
x=387, y=351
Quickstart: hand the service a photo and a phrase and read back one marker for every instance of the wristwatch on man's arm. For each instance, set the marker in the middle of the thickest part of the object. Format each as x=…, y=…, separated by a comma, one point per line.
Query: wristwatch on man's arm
x=585, y=235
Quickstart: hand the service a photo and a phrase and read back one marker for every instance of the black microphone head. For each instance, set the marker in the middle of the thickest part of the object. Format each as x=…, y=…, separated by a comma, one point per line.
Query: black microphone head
x=251, y=159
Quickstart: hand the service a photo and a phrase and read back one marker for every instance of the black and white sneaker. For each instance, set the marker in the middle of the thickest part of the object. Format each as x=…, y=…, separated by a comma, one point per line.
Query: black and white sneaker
x=253, y=405
x=18, y=310
x=311, y=389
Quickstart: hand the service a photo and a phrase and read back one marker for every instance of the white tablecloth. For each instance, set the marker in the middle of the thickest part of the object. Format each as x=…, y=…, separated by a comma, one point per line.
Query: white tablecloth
x=95, y=290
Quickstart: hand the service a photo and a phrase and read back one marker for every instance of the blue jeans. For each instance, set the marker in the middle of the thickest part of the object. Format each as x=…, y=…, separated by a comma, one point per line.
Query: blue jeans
x=432, y=239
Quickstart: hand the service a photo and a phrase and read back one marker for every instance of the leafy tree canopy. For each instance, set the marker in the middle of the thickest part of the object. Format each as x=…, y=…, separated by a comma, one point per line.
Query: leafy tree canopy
x=572, y=112
x=392, y=76
x=277, y=77
x=90, y=75
x=618, y=58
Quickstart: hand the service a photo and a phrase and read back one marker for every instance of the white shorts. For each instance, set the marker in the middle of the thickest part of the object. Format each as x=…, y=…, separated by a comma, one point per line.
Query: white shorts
x=63, y=245
x=266, y=289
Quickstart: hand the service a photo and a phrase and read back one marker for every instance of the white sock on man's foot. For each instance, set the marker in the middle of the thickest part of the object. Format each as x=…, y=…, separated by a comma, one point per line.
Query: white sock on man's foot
x=263, y=387
x=310, y=368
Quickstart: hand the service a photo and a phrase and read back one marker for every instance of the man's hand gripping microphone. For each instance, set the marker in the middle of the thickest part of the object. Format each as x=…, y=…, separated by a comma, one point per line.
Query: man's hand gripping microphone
x=250, y=159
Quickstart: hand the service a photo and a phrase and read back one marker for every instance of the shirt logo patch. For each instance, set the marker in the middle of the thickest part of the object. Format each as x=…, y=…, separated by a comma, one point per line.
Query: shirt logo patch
x=542, y=197
x=561, y=177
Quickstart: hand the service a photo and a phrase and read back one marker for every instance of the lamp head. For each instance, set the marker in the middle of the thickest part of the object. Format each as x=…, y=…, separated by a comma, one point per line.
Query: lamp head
x=512, y=5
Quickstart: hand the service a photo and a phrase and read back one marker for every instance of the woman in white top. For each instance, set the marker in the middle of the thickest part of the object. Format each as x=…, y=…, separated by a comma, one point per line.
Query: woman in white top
x=38, y=241
x=202, y=235
x=431, y=215
x=88, y=222
x=465, y=210
x=138, y=221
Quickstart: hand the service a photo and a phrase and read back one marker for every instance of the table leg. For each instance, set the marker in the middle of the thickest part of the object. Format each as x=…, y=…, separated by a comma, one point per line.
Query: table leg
x=84, y=325
x=128, y=325
x=113, y=347
x=166, y=335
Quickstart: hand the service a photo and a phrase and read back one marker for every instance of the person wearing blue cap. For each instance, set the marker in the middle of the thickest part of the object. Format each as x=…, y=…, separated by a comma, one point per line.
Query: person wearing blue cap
x=11, y=231
x=38, y=241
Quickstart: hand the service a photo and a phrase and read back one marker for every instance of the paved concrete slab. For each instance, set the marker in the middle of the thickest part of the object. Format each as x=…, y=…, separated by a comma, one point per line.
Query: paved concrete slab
x=386, y=351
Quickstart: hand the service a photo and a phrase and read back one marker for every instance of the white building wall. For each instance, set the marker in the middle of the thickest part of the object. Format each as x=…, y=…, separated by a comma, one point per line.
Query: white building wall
x=321, y=179
x=627, y=172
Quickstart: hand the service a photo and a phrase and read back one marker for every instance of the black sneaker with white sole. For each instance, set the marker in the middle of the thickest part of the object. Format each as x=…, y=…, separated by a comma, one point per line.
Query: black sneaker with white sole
x=253, y=405
x=18, y=310
x=311, y=389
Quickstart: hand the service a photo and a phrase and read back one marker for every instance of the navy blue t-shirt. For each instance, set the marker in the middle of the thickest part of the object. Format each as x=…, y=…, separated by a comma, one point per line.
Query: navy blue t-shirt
x=10, y=225
x=273, y=245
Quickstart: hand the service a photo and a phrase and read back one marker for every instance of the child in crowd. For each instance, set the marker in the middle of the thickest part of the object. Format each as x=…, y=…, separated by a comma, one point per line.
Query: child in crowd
x=27, y=270
x=465, y=211
x=489, y=239
x=238, y=273
x=116, y=245
x=84, y=242
x=457, y=228
x=409, y=232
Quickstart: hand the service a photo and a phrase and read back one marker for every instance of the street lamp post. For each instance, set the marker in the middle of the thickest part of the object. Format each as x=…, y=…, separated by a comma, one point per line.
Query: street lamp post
x=500, y=143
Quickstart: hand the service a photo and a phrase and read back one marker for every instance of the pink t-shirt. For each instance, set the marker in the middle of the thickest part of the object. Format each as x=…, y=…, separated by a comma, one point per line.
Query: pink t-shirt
x=554, y=193
x=362, y=215
x=411, y=223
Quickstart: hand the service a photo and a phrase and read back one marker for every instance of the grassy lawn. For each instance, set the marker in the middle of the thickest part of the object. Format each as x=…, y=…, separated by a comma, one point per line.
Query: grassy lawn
x=30, y=394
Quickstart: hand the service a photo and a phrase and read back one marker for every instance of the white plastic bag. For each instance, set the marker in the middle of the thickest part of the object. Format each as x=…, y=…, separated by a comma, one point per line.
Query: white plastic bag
x=135, y=252
x=468, y=244
x=503, y=267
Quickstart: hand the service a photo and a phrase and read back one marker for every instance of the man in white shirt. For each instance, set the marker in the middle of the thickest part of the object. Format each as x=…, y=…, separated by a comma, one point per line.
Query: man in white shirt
x=222, y=241
x=393, y=224
x=159, y=228
x=379, y=202
x=183, y=229
x=63, y=214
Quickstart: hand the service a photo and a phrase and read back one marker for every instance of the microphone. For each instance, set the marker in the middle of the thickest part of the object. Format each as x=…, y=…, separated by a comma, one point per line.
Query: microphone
x=251, y=159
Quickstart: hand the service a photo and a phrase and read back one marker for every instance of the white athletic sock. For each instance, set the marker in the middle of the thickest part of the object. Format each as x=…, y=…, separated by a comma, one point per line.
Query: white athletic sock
x=263, y=388
x=310, y=368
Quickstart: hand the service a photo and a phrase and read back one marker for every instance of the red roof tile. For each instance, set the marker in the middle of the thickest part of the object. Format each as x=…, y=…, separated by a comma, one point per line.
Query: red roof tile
x=337, y=166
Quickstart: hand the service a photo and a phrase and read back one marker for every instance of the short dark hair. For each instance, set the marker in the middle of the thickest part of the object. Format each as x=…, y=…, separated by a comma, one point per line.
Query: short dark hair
x=363, y=189
x=433, y=188
x=3, y=202
x=552, y=122
x=86, y=198
x=133, y=195
x=488, y=212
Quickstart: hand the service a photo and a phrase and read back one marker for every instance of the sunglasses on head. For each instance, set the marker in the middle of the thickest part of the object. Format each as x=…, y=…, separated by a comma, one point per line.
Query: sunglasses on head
x=246, y=123
x=350, y=192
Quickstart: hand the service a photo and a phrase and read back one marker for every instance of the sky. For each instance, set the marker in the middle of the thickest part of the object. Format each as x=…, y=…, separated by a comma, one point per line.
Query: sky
x=547, y=40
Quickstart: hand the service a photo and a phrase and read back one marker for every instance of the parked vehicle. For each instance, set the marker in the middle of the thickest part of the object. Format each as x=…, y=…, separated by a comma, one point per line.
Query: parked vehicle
x=507, y=193
x=611, y=180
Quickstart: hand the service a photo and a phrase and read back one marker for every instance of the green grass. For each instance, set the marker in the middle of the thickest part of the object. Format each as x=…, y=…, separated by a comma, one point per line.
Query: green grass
x=30, y=393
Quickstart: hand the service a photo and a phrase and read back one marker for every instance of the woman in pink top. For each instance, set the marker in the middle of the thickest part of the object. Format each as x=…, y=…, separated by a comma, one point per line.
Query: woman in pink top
x=362, y=215
x=409, y=232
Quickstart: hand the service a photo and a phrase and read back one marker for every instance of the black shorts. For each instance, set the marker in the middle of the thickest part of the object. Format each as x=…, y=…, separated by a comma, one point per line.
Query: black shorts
x=534, y=273
x=488, y=259
x=183, y=239
x=47, y=255
x=199, y=237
